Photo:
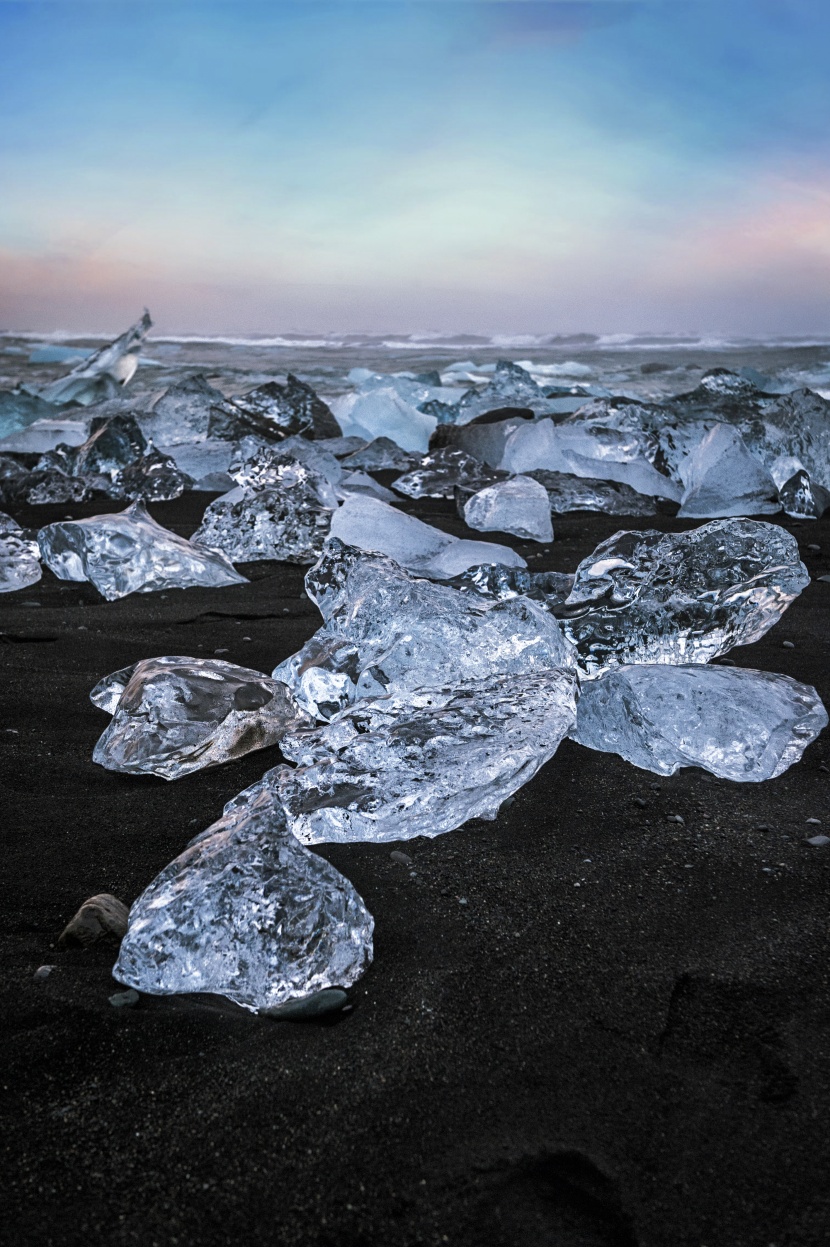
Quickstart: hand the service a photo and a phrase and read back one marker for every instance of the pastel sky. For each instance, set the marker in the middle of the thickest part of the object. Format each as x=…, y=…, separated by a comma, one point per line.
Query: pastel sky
x=402, y=165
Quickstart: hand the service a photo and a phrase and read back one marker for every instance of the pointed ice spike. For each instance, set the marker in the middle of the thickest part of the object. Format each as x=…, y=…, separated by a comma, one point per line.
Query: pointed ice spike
x=100, y=375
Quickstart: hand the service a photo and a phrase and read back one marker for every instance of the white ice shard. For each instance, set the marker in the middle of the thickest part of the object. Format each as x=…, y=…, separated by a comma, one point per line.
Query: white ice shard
x=737, y=723
x=374, y=525
x=579, y=493
x=383, y=413
x=652, y=597
x=438, y=474
x=130, y=553
x=421, y=764
x=19, y=557
x=248, y=913
x=722, y=478
x=387, y=633
x=98, y=376
x=175, y=715
x=518, y=505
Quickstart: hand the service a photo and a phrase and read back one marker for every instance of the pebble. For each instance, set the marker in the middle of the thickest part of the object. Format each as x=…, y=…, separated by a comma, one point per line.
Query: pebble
x=677, y=818
x=788, y=644
x=815, y=549
x=818, y=841
x=42, y=972
x=325, y=1001
x=727, y=662
x=654, y=787
x=221, y=651
x=641, y=801
x=763, y=827
x=247, y=638
x=125, y=1000
x=816, y=822
x=462, y=900
x=403, y=859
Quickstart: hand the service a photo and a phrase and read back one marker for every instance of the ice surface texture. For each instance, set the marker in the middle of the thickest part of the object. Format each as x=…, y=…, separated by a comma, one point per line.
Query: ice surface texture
x=423, y=764
x=387, y=633
x=576, y=493
x=248, y=913
x=518, y=505
x=176, y=715
x=19, y=557
x=382, y=413
x=650, y=597
x=374, y=525
x=739, y=724
x=438, y=474
x=722, y=478
x=130, y=553
x=275, y=411
x=382, y=454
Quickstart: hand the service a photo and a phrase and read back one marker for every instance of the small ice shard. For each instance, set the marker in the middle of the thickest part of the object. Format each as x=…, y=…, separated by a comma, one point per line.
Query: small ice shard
x=387, y=633
x=19, y=557
x=803, y=500
x=183, y=413
x=383, y=413
x=490, y=580
x=247, y=912
x=421, y=764
x=44, y=435
x=287, y=519
x=736, y=723
x=98, y=376
x=177, y=715
x=652, y=597
x=130, y=553
x=438, y=474
x=518, y=505
x=375, y=526
x=581, y=493
x=275, y=411
x=381, y=455
x=722, y=478
x=19, y=409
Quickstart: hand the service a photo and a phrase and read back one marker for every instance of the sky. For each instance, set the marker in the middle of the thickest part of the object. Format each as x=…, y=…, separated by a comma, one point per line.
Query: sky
x=485, y=166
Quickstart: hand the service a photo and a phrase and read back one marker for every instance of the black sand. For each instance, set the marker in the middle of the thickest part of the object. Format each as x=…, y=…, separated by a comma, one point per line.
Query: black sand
x=585, y=1024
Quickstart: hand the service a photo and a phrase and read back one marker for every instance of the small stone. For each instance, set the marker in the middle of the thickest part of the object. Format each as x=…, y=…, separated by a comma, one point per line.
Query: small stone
x=99, y=916
x=763, y=827
x=641, y=802
x=462, y=900
x=42, y=972
x=788, y=645
x=815, y=821
x=814, y=548
x=818, y=842
x=221, y=651
x=677, y=818
x=247, y=638
x=125, y=1000
x=315, y=1006
x=403, y=859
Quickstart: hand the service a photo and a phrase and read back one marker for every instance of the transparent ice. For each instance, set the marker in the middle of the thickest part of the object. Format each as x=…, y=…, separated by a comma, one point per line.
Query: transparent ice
x=483, y=440
x=19, y=409
x=380, y=455
x=247, y=912
x=383, y=413
x=739, y=724
x=183, y=412
x=577, y=493
x=44, y=435
x=801, y=499
x=490, y=580
x=275, y=411
x=438, y=474
x=518, y=505
x=722, y=478
x=19, y=557
x=117, y=459
x=130, y=553
x=511, y=386
x=257, y=466
x=175, y=715
x=99, y=375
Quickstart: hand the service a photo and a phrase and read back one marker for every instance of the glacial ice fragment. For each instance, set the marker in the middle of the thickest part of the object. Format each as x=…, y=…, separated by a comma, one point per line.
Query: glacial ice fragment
x=19, y=557
x=801, y=499
x=651, y=597
x=518, y=505
x=130, y=553
x=580, y=493
x=510, y=386
x=248, y=913
x=482, y=438
x=738, y=724
x=183, y=412
x=722, y=478
x=381, y=455
x=421, y=764
x=19, y=409
x=43, y=435
x=490, y=580
x=176, y=715
x=383, y=413
x=385, y=632
x=98, y=376
x=374, y=525
x=256, y=466
x=117, y=458
x=438, y=474
x=275, y=411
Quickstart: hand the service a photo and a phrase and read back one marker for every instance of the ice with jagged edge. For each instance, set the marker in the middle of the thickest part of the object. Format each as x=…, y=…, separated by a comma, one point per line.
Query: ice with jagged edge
x=130, y=553
x=183, y=412
x=383, y=413
x=798, y=495
x=511, y=386
x=19, y=557
x=373, y=525
x=117, y=459
x=652, y=597
x=275, y=411
x=518, y=505
x=385, y=633
x=737, y=723
x=722, y=478
x=248, y=913
x=484, y=439
x=498, y=583
x=100, y=375
x=381, y=455
x=45, y=485
x=175, y=715
x=420, y=764
x=578, y=493
x=256, y=466
x=439, y=473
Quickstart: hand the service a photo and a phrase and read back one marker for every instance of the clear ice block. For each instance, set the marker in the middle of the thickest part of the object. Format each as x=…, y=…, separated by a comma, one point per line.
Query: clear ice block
x=440, y=472
x=518, y=505
x=722, y=478
x=579, y=493
x=19, y=557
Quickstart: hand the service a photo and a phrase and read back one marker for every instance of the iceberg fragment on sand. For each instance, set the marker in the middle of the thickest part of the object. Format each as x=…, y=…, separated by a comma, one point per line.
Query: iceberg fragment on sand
x=98, y=376
x=511, y=386
x=183, y=413
x=373, y=525
x=19, y=557
x=385, y=632
x=651, y=597
x=440, y=472
x=275, y=411
x=130, y=553
x=420, y=764
x=518, y=505
x=117, y=458
x=175, y=715
x=802, y=499
x=383, y=413
x=247, y=912
x=580, y=493
x=739, y=724
x=380, y=455
x=722, y=478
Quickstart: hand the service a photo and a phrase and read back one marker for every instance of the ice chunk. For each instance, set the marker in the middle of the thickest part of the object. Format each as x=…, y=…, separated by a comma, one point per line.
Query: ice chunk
x=45, y=485
x=248, y=913
x=117, y=458
x=19, y=557
x=287, y=519
x=387, y=633
x=490, y=580
x=374, y=525
x=275, y=411
x=518, y=505
x=482, y=438
x=511, y=386
x=153, y=476
x=438, y=474
x=19, y=409
x=722, y=478
x=98, y=376
x=380, y=455
x=44, y=435
x=206, y=463
x=183, y=413
x=739, y=724
x=383, y=413
x=176, y=715
x=341, y=447
x=257, y=466
x=581, y=493
x=420, y=765
x=361, y=483
x=651, y=597
x=130, y=553
x=803, y=500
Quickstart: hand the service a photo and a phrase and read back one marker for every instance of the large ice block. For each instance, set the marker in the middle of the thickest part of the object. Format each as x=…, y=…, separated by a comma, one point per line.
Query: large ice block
x=383, y=413
x=275, y=411
x=722, y=478
x=19, y=557
x=518, y=505
x=130, y=553
x=248, y=913
x=374, y=525
x=651, y=597
x=739, y=724
x=176, y=715
x=19, y=409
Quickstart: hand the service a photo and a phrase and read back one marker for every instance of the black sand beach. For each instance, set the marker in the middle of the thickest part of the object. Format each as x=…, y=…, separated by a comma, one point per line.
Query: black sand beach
x=585, y=1024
